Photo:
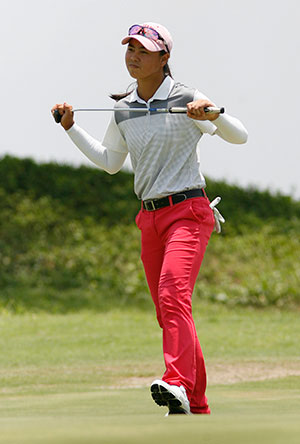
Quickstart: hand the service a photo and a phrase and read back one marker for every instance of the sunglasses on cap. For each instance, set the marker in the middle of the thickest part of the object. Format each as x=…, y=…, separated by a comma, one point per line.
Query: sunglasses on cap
x=150, y=33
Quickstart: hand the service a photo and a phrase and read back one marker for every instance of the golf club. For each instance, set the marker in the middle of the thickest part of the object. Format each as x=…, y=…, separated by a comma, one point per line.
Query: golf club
x=173, y=110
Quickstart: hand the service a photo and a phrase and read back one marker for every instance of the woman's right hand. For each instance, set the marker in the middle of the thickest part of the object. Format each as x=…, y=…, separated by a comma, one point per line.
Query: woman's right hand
x=65, y=110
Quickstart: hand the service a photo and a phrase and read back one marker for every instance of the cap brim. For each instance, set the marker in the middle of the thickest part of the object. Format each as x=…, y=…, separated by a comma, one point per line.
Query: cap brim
x=149, y=44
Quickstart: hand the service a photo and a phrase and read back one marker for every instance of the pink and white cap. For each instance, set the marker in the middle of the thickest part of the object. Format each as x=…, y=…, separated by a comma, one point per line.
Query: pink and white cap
x=150, y=44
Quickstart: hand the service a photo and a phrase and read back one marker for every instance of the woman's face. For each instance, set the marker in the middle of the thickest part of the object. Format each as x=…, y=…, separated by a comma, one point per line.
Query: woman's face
x=142, y=63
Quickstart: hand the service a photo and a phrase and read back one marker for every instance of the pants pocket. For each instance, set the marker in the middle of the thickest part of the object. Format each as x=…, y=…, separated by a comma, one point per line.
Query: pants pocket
x=202, y=212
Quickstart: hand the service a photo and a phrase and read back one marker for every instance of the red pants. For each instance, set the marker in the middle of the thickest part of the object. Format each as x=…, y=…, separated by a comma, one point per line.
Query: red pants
x=174, y=240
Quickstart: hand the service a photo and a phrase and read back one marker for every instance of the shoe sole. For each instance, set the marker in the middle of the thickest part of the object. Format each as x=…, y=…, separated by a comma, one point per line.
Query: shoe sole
x=163, y=397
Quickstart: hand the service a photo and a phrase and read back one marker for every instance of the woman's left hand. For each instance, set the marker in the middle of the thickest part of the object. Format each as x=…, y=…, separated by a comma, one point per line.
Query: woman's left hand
x=195, y=110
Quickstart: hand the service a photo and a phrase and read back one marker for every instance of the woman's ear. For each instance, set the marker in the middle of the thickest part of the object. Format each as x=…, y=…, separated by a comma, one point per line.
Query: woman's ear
x=164, y=59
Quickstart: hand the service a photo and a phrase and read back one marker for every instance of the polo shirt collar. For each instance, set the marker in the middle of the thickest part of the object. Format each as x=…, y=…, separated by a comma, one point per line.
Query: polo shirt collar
x=162, y=93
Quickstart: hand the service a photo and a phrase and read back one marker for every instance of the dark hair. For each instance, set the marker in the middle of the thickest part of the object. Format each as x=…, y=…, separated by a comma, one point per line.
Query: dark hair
x=167, y=72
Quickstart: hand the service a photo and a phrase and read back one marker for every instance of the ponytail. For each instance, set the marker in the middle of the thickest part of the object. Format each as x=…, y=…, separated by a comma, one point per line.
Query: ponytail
x=118, y=97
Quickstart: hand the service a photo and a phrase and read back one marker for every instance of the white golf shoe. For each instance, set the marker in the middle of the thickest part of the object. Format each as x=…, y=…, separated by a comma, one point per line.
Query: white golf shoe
x=172, y=396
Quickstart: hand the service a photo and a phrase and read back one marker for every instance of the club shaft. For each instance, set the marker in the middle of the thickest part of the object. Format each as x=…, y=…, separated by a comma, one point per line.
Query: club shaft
x=172, y=110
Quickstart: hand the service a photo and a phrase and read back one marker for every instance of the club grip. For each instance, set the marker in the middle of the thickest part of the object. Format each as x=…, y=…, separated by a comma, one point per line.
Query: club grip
x=214, y=109
x=209, y=109
x=57, y=116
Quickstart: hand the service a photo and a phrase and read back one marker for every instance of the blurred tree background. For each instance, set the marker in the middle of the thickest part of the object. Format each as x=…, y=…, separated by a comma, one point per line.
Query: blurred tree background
x=68, y=242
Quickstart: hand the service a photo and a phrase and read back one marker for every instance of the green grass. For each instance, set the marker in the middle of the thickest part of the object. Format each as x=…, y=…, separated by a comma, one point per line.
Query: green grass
x=255, y=415
x=83, y=378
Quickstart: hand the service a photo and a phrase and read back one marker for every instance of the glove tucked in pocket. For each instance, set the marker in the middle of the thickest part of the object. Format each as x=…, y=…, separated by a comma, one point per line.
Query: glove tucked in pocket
x=217, y=215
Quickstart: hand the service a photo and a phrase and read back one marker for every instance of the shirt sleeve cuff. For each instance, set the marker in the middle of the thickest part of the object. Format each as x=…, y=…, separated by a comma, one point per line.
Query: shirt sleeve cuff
x=206, y=126
x=73, y=129
x=222, y=121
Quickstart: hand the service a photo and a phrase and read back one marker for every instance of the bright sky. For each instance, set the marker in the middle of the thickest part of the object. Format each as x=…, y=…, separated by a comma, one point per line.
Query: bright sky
x=244, y=55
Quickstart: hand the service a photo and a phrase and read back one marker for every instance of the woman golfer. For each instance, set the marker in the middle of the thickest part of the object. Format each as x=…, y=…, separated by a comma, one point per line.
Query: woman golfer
x=175, y=219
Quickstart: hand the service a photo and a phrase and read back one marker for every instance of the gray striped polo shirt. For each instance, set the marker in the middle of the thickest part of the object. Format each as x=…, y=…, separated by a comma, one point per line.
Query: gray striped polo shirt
x=162, y=147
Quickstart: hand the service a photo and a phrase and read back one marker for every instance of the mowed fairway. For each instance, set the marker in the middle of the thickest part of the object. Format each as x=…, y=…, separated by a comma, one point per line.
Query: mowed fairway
x=84, y=378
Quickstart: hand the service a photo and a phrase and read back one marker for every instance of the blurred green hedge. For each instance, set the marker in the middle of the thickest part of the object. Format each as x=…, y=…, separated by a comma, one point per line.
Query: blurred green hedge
x=86, y=191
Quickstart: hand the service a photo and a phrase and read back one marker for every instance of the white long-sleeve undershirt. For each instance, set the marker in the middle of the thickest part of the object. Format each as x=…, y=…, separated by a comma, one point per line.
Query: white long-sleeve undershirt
x=230, y=129
x=107, y=159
